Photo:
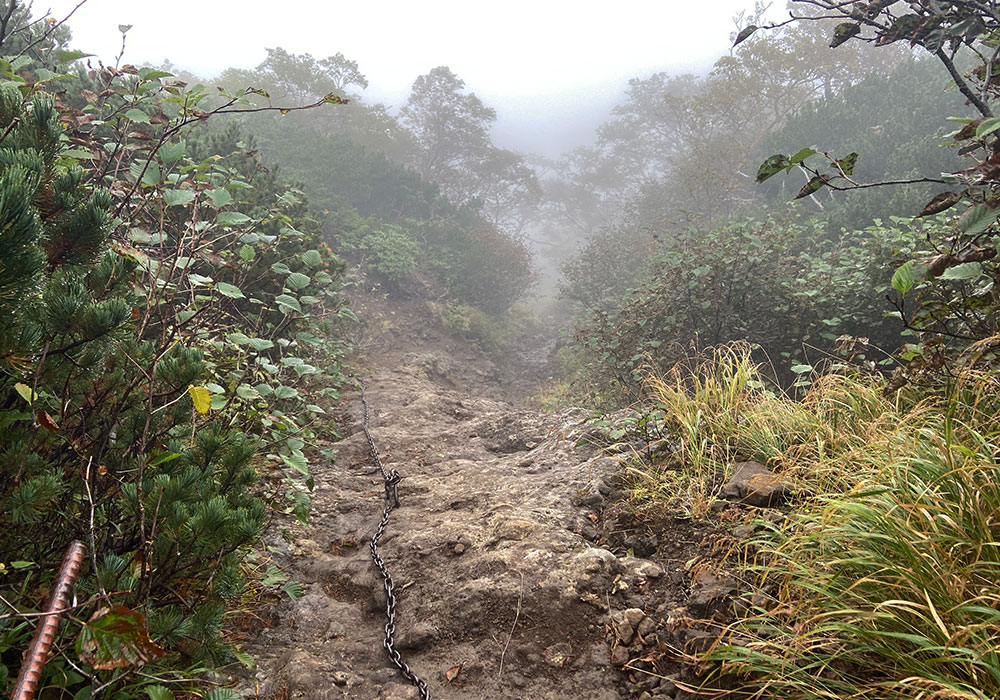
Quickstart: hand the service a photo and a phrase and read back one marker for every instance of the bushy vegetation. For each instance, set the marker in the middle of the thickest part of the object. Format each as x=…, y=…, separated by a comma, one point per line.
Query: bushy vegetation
x=169, y=335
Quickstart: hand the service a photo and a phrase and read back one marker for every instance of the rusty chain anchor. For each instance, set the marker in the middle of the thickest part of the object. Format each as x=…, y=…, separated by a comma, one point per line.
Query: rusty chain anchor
x=392, y=479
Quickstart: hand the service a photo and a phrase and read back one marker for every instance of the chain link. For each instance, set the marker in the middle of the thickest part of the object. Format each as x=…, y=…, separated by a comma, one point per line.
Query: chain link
x=392, y=479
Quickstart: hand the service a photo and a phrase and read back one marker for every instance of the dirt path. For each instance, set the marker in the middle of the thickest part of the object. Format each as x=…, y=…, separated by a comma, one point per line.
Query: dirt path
x=498, y=551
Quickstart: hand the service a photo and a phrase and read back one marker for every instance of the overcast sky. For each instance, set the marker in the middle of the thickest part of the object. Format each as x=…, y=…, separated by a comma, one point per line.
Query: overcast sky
x=551, y=69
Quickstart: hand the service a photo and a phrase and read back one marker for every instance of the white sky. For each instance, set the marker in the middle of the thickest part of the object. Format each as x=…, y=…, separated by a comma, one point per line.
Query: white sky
x=551, y=69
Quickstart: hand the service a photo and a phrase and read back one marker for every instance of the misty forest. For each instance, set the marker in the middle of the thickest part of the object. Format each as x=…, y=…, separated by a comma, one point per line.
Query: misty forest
x=306, y=395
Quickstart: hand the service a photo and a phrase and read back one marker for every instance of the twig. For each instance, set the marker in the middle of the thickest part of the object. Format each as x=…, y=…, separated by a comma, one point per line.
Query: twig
x=517, y=614
x=93, y=545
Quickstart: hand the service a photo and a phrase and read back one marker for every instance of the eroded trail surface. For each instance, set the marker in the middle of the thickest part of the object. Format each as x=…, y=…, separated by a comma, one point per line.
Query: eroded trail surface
x=498, y=550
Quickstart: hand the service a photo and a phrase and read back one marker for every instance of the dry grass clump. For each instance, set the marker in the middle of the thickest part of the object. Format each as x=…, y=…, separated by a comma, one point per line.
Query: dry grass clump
x=884, y=584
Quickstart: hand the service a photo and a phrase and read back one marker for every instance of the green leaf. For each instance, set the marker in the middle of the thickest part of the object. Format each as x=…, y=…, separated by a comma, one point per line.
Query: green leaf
x=246, y=659
x=814, y=184
x=964, y=271
x=802, y=369
x=247, y=392
x=147, y=73
x=261, y=343
x=68, y=56
x=293, y=589
x=247, y=253
x=977, y=219
x=297, y=280
x=296, y=462
x=287, y=303
x=312, y=258
x=802, y=155
x=772, y=166
x=174, y=198
x=844, y=31
x=231, y=218
x=137, y=115
x=229, y=290
x=285, y=392
x=987, y=126
x=21, y=564
x=847, y=163
x=25, y=391
x=221, y=694
x=158, y=692
x=171, y=152
x=906, y=277
x=215, y=388
x=220, y=197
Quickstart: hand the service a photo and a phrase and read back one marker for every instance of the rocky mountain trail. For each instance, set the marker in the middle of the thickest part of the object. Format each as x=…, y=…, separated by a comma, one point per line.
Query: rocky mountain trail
x=512, y=551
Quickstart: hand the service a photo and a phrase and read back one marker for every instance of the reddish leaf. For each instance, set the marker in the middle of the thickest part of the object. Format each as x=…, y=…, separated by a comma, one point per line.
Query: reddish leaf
x=452, y=673
x=45, y=420
x=940, y=202
x=116, y=637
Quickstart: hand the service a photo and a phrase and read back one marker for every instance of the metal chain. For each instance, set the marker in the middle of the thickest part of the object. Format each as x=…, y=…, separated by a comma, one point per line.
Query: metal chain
x=392, y=479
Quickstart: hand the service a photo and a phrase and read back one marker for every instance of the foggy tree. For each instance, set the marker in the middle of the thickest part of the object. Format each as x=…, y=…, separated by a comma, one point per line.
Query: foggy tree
x=450, y=129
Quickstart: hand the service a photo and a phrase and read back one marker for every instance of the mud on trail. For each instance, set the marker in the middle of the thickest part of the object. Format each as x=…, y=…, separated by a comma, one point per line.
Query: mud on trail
x=507, y=551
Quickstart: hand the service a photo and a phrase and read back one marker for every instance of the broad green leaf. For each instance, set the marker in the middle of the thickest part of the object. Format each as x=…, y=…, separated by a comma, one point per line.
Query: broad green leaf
x=906, y=277
x=21, y=564
x=285, y=392
x=201, y=397
x=25, y=391
x=231, y=218
x=220, y=197
x=261, y=343
x=287, y=303
x=247, y=253
x=238, y=338
x=802, y=155
x=312, y=258
x=802, y=369
x=977, y=219
x=987, y=126
x=68, y=56
x=297, y=280
x=245, y=391
x=147, y=73
x=137, y=115
x=171, y=152
x=965, y=271
x=174, y=198
x=297, y=462
x=229, y=290
x=773, y=165
x=218, y=402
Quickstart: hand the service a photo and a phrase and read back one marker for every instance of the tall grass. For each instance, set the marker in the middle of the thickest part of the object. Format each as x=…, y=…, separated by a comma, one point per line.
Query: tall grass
x=886, y=583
